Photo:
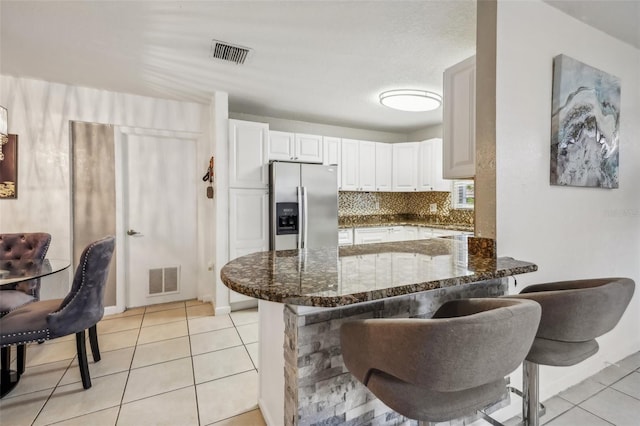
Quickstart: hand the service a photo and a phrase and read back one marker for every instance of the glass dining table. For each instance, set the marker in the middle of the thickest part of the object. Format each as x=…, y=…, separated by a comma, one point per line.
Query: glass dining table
x=16, y=271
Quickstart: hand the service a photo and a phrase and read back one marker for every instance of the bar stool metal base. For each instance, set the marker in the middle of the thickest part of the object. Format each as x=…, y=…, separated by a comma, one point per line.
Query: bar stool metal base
x=530, y=399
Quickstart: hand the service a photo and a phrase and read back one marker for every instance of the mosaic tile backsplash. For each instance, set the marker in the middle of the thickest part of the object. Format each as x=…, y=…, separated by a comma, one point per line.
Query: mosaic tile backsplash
x=390, y=206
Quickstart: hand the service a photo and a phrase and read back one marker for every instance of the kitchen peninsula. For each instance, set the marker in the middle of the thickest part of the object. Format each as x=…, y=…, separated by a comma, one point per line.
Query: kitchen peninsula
x=305, y=295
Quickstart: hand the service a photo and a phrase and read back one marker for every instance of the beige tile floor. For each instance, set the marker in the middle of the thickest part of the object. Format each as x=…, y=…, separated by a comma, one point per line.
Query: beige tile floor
x=171, y=364
x=177, y=364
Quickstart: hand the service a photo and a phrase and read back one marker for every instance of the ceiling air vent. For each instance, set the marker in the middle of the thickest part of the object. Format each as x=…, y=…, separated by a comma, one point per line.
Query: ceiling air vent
x=229, y=52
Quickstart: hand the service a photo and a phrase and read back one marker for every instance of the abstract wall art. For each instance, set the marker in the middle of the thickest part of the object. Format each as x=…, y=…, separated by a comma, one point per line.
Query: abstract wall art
x=585, y=120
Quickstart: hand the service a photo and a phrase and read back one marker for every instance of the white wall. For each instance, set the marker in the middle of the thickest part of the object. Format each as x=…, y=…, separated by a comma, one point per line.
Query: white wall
x=568, y=232
x=40, y=112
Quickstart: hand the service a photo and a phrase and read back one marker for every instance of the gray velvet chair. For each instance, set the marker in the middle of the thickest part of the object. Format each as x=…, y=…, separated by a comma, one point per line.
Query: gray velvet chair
x=574, y=314
x=446, y=367
x=80, y=310
x=20, y=246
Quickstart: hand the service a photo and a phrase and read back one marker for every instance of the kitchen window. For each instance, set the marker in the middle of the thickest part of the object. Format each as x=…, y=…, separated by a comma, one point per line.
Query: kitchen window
x=463, y=194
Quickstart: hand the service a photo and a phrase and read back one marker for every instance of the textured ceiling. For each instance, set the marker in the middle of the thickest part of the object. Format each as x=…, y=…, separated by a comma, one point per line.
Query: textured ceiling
x=317, y=61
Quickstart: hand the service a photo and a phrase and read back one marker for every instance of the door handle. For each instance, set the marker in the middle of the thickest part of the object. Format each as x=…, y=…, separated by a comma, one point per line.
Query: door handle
x=132, y=232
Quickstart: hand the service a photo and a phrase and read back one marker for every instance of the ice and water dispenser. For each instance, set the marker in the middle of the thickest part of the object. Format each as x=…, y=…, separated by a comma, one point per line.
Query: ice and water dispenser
x=287, y=214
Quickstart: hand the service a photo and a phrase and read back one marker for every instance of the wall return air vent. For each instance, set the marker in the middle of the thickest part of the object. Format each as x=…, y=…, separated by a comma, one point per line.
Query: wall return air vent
x=229, y=52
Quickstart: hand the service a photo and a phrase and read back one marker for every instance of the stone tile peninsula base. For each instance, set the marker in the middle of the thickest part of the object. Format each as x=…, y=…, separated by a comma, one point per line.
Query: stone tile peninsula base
x=316, y=388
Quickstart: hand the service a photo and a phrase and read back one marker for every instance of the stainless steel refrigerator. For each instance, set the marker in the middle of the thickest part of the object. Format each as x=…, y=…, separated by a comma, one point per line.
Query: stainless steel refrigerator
x=303, y=205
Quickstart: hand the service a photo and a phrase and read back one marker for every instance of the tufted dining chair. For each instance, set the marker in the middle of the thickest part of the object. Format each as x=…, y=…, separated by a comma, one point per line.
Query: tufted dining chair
x=80, y=310
x=20, y=246
x=446, y=367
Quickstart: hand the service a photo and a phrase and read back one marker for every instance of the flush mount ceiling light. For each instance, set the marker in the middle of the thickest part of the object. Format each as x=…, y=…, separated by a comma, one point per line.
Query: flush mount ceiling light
x=411, y=100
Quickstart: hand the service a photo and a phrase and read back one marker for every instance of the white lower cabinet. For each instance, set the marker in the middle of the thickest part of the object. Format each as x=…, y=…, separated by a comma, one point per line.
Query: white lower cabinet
x=425, y=233
x=396, y=233
x=248, y=226
x=370, y=235
x=411, y=233
x=393, y=233
x=444, y=232
x=345, y=237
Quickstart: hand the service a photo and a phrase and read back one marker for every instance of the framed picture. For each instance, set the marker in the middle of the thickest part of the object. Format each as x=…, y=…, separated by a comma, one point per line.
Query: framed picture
x=585, y=120
x=9, y=169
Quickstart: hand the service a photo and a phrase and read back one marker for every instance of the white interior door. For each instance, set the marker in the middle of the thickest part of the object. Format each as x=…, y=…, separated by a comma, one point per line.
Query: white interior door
x=159, y=216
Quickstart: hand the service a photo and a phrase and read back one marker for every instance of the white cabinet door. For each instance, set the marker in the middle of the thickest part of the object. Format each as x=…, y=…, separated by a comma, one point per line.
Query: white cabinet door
x=396, y=233
x=367, y=166
x=248, y=144
x=331, y=154
x=405, y=166
x=459, y=120
x=384, y=155
x=370, y=235
x=430, y=170
x=248, y=225
x=345, y=237
x=281, y=145
x=439, y=182
x=425, y=169
x=295, y=147
x=308, y=148
x=410, y=233
x=349, y=165
x=424, y=233
x=331, y=148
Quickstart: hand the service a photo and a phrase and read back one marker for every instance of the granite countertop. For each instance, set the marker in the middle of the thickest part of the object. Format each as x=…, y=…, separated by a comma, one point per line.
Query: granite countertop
x=408, y=222
x=331, y=277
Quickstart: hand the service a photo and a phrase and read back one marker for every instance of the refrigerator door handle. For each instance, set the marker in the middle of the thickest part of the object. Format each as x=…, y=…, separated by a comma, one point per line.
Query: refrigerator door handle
x=305, y=217
x=301, y=208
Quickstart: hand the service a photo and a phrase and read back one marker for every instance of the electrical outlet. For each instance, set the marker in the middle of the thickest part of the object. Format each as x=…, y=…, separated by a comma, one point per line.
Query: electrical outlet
x=433, y=208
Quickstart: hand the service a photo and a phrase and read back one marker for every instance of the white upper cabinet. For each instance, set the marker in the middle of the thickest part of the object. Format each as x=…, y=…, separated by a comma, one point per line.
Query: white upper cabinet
x=281, y=145
x=331, y=147
x=331, y=155
x=430, y=167
x=405, y=166
x=349, y=165
x=248, y=142
x=308, y=148
x=288, y=146
x=384, y=154
x=459, y=120
x=358, y=165
x=367, y=166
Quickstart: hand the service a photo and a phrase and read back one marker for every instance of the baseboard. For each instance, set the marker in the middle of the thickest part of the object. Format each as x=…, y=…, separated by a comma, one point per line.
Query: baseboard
x=112, y=310
x=222, y=310
x=206, y=298
x=245, y=304
x=265, y=414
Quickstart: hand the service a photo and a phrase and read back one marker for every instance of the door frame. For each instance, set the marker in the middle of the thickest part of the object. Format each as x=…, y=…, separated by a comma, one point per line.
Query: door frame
x=120, y=134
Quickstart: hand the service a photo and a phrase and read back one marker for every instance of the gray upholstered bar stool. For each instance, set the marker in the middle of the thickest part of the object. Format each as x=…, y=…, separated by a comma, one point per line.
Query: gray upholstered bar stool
x=446, y=367
x=574, y=313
